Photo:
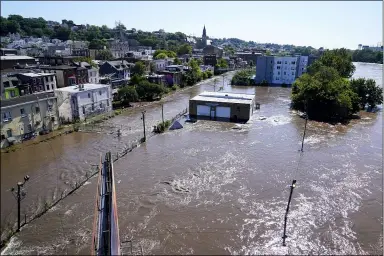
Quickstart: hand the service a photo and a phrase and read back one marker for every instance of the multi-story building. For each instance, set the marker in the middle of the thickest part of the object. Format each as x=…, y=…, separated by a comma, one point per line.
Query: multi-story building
x=27, y=114
x=93, y=73
x=160, y=64
x=30, y=83
x=78, y=102
x=118, y=71
x=12, y=60
x=67, y=75
x=280, y=70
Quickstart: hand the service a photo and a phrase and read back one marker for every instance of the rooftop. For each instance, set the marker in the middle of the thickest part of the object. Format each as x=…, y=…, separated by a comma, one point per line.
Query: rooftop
x=61, y=67
x=87, y=87
x=225, y=97
x=26, y=98
x=16, y=57
x=37, y=74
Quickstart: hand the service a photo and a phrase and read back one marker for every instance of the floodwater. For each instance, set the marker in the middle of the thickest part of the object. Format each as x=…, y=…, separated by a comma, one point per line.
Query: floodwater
x=211, y=189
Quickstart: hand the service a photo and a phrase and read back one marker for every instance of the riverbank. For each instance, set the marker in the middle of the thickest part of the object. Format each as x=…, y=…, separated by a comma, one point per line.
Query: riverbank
x=74, y=127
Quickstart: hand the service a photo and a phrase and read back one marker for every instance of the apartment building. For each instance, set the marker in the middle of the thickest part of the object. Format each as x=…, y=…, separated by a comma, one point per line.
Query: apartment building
x=27, y=114
x=81, y=101
x=280, y=70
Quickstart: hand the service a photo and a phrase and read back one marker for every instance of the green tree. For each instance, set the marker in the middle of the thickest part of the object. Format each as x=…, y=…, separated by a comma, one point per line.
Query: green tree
x=138, y=69
x=104, y=55
x=368, y=92
x=184, y=49
x=13, y=26
x=338, y=59
x=222, y=63
x=325, y=95
x=161, y=56
x=149, y=91
x=128, y=94
x=176, y=61
x=62, y=33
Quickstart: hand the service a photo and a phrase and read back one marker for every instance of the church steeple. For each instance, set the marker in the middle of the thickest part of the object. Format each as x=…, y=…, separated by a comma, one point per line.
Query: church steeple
x=204, y=32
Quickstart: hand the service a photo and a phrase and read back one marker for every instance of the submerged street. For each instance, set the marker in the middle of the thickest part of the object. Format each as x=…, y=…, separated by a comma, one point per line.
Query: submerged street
x=209, y=188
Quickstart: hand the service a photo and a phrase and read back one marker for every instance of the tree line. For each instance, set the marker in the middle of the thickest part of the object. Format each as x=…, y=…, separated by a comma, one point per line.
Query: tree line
x=95, y=35
x=140, y=89
x=326, y=92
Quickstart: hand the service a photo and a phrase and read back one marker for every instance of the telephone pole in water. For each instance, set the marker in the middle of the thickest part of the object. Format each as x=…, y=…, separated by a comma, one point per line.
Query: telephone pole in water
x=287, y=210
x=162, y=112
x=143, y=118
x=19, y=195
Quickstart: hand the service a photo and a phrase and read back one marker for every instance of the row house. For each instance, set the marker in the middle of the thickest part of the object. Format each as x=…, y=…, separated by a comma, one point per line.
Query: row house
x=30, y=83
x=10, y=61
x=79, y=102
x=67, y=75
x=117, y=71
x=93, y=73
x=119, y=49
x=27, y=114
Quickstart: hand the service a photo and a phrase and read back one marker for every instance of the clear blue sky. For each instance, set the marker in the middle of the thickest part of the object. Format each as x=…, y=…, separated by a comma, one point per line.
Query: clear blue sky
x=329, y=24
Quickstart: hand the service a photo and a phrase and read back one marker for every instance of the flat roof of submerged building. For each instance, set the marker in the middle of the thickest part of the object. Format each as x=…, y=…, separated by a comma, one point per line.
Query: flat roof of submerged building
x=225, y=97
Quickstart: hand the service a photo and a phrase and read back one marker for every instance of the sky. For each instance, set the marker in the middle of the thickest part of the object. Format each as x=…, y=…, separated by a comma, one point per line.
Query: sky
x=328, y=24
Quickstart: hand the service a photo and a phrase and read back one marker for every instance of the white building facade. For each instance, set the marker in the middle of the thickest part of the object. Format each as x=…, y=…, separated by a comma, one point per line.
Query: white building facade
x=93, y=76
x=284, y=70
x=79, y=102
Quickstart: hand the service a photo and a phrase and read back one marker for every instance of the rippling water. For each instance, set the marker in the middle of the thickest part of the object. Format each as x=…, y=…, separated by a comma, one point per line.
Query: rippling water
x=211, y=189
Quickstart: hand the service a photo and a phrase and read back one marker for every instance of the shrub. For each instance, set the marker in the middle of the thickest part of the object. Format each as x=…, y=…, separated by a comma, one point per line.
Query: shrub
x=175, y=87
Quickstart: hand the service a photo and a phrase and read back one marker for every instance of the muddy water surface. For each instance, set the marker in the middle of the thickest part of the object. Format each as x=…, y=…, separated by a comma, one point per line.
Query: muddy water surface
x=212, y=189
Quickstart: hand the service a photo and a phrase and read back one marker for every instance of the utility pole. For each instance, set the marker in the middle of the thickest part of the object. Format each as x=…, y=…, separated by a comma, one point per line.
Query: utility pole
x=162, y=112
x=287, y=210
x=143, y=118
x=19, y=195
x=305, y=126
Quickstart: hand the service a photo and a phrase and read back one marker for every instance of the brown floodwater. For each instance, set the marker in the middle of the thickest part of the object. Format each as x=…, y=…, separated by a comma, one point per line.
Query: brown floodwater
x=209, y=188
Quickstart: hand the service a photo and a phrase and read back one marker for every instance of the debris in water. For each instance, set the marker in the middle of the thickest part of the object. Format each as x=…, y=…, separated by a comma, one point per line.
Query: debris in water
x=262, y=118
x=176, y=125
x=237, y=127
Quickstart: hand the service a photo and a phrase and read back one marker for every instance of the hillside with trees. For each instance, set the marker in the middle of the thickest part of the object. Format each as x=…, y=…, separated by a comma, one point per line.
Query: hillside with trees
x=325, y=93
x=95, y=35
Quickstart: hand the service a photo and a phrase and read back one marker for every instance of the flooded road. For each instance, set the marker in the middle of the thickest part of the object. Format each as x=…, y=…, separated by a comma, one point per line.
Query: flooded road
x=211, y=189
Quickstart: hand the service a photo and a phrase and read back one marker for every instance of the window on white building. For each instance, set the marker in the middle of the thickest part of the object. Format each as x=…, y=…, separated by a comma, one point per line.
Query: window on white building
x=22, y=112
x=51, y=78
x=46, y=79
x=99, y=92
x=278, y=73
x=48, y=87
x=83, y=108
x=108, y=103
x=37, y=109
x=293, y=73
x=89, y=95
x=293, y=62
x=93, y=107
x=285, y=73
x=9, y=133
x=285, y=62
x=278, y=67
x=101, y=105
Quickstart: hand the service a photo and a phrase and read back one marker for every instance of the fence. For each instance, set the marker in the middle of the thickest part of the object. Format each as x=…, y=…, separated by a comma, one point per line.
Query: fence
x=11, y=231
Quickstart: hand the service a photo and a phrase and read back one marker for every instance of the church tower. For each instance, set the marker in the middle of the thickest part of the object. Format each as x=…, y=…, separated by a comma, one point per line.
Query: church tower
x=204, y=37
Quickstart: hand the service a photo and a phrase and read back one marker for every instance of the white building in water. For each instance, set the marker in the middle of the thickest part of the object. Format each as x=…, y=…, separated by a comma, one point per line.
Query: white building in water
x=78, y=102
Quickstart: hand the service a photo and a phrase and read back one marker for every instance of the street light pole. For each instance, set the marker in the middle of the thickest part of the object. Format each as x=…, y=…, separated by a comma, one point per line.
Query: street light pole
x=19, y=195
